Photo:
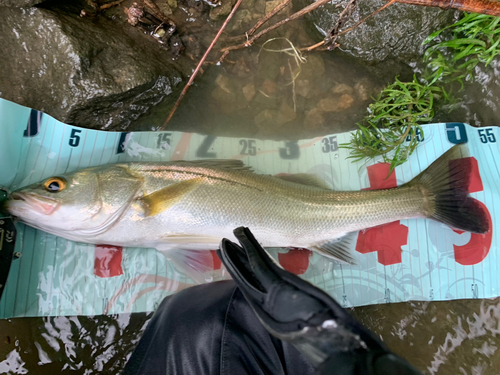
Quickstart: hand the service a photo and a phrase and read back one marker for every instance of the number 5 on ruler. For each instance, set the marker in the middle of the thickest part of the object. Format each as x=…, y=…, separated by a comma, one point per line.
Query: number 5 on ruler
x=74, y=138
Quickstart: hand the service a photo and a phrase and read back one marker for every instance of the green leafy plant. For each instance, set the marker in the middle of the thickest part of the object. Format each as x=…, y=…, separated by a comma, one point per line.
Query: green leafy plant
x=393, y=123
x=390, y=129
x=475, y=39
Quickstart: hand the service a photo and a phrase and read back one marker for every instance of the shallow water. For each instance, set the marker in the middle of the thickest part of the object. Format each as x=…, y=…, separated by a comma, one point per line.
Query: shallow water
x=243, y=97
x=455, y=337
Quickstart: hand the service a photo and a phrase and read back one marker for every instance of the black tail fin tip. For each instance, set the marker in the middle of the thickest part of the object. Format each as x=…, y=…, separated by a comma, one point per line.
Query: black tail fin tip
x=446, y=182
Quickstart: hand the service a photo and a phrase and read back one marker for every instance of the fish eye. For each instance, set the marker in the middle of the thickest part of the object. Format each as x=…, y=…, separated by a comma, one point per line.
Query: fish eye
x=55, y=184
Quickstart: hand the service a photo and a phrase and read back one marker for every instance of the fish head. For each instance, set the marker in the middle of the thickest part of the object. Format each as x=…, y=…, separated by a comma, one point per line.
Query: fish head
x=75, y=205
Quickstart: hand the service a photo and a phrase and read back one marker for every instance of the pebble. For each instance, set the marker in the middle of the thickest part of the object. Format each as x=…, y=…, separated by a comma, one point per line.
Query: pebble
x=266, y=119
x=270, y=5
x=302, y=87
x=314, y=119
x=334, y=104
x=221, y=11
x=260, y=6
x=313, y=68
x=342, y=88
x=361, y=89
x=269, y=88
x=249, y=91
x=286, y=114
x=223, y=82
x=247, y=4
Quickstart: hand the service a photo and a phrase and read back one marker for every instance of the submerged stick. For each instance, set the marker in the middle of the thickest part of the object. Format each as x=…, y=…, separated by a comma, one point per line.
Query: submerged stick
x=390, y=2
x=488, y=7
x=198, y=67
x=294, y=16
x=266, y=18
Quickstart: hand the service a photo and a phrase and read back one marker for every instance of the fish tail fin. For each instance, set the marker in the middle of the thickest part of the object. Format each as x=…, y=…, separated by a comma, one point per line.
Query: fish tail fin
x=445, y=186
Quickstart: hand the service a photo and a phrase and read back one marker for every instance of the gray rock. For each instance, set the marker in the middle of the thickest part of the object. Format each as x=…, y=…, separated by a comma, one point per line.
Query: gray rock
x=396, y=32
x=19, y=3
x=93, y=73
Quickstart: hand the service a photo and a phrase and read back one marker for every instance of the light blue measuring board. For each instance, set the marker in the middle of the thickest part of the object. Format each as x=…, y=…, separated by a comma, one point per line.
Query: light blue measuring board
x=407, y=260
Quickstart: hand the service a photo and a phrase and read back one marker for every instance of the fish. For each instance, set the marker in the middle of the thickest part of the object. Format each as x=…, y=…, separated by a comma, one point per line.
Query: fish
x=184, y=208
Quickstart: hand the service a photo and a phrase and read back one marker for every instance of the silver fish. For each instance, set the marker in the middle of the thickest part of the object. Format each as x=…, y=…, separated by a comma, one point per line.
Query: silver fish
x=192, y=205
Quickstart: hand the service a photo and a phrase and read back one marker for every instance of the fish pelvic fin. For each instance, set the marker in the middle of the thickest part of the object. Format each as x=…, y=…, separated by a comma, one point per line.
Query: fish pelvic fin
x=339, y=249
x=196, y=264
x=159, y=201
x=444, y=185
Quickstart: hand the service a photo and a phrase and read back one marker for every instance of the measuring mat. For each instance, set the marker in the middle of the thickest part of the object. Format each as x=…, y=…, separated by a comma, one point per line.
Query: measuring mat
x=415, y=259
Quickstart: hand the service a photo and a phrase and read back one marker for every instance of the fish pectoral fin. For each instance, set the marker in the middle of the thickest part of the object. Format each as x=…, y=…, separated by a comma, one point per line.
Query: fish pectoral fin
x=340, y=249
x=305, y=179
x=162, y=199
x=194, y=263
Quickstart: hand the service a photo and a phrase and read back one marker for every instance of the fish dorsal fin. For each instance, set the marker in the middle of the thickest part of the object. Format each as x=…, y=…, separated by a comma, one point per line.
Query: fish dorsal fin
x=305, y=179
x=216, y=163
x=159, y=201
x=339, y=249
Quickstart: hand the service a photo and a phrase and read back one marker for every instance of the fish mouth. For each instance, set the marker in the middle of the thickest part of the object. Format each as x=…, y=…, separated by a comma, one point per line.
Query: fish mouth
x=40, y=204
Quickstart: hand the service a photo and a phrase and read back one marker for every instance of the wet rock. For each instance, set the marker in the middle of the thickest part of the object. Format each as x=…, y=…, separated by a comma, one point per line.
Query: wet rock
x=302, y=87
x=240, y=68
x=90, y=73
x=285, y=114
x=19, y=3
x=247, y=4
x=227, y=97
x=271, y=120
x=262, y=101
x=270, y=5
x=222, y=10
x=192, y=45
x=172, y=4
x=314, y=119
x=313, y=68
x=165, y=8
x=345, y=102
x=241, y=20
x=266, y=119
x=342, y=88
x=249, y=91
x=334, y=104
x=271, y=65
x=223, y=82
x=260, y=6
x=176, y=46
x=327, y=105
x=362, y=89
x=195, y=7
x=269, y=88
x=396, y=32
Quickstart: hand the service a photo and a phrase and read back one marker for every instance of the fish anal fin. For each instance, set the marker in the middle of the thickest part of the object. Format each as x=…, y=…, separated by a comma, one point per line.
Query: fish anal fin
x=340, y=249
x=304, y=179
x=195, y=264
x=159, y=201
